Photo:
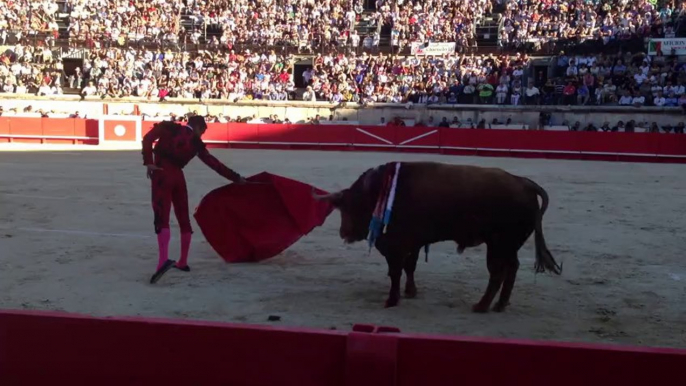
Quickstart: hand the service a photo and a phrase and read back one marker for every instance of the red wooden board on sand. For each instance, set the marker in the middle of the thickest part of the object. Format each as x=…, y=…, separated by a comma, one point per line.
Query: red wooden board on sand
x=258, y=220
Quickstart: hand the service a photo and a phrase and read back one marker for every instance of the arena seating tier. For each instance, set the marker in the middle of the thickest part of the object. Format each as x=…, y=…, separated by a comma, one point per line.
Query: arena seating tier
x=165, y=49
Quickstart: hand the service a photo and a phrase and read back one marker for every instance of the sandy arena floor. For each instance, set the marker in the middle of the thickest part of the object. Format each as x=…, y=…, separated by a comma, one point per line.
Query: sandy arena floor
x=76, y=235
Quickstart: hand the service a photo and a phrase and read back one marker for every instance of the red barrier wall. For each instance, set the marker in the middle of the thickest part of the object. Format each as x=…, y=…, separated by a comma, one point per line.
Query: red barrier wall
x=49, y=130
x=41, y=348
x=642, y=147
x=651, y=147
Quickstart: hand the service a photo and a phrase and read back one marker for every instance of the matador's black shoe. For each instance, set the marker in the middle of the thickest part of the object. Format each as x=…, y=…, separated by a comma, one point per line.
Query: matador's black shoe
x=163, y=269
x=187, y=268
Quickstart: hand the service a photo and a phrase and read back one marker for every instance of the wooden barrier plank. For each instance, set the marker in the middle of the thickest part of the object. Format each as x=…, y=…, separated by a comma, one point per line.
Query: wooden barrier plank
x=289, y=134
x=92, y=127
x=101, y=351
x=58, y=127
x=372, y=356
x=4, y=125
x=542, y=141
x=618, y=143
x=146, y=126
x=671, y=145
x=459, y=138
x=243, y=133
x=336, y=135
x=483, y=361
x=216, y=132
x=25, y=126
x=86, y=128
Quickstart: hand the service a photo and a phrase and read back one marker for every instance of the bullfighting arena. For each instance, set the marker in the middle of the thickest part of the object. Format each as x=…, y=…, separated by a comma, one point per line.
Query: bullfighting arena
x=76, y=234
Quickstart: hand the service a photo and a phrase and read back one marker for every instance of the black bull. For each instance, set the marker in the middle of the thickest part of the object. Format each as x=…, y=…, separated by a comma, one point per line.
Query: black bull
x=437, y=202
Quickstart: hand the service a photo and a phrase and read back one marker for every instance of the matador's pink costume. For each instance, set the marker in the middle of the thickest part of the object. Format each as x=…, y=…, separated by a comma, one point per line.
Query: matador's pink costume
x=177, y=144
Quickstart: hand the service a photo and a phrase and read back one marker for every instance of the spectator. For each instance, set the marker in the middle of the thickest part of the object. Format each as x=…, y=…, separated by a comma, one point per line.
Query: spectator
x=569, y=92
x=583, y=94
x=532, y=94
x=659, y=100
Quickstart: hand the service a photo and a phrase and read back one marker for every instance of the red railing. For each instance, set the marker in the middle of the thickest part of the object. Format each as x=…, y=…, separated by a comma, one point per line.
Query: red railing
x=39, y=348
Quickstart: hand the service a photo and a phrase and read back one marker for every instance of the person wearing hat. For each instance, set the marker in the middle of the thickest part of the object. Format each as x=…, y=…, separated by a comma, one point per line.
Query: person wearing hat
x=177, y=144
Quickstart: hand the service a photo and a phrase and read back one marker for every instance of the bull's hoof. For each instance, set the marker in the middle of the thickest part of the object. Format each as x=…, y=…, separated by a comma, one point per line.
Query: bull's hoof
x=500, y=307
x=479, y=308
x=392, y=302
x=410, y=292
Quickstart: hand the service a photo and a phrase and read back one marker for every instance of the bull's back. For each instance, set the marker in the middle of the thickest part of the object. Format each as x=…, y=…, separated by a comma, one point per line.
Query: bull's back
x=433, y=193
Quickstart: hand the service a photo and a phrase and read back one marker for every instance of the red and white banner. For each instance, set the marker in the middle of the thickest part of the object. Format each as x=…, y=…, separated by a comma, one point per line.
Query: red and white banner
x=120, y=128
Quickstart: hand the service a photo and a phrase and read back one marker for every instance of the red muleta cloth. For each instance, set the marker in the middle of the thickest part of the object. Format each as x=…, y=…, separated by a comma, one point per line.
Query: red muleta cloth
x=258, y=220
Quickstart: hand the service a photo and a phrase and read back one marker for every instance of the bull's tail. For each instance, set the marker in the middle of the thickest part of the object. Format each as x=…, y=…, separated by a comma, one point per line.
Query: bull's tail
x=544, y=259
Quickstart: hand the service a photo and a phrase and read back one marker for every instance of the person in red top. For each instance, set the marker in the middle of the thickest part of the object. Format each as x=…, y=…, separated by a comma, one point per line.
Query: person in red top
x=177, y=144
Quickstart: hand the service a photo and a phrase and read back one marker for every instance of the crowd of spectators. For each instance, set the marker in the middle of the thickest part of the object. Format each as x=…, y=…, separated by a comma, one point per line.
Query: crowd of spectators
x=160, y=75
x=625, y=79
x=29, y=69
x=541, y=22
x=446, y=79
x=118, y=70
x=432, y=20
x=311, y=24
x=306, y=24
x=21, y=19
x=297, y=23
x=123, y=21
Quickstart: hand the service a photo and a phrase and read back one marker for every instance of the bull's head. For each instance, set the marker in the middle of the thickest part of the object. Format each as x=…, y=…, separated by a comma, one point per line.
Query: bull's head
x=356, y=205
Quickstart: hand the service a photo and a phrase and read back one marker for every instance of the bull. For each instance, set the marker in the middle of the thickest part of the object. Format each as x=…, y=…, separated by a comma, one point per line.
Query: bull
x=437, y=202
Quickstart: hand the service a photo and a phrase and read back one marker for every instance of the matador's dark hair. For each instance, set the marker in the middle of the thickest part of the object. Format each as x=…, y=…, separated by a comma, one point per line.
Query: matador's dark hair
x=168, y=125
x=197, y=121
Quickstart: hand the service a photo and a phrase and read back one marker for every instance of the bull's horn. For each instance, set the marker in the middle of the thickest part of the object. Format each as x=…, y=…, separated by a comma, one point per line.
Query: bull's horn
x=323, y=197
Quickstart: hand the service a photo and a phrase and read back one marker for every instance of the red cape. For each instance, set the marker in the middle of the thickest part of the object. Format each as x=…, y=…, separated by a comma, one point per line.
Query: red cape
x=254, y=222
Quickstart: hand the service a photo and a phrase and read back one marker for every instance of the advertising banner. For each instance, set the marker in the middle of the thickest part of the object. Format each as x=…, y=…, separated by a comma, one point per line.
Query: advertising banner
x=673, y=46
x=432, y=48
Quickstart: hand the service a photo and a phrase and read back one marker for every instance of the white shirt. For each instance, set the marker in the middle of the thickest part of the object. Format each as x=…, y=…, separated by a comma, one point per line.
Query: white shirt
x=531, y=91
x=625, y=100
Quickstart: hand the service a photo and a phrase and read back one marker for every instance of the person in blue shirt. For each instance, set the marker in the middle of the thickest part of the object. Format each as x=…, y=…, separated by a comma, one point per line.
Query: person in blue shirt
x=671, y=100
x=582, y=94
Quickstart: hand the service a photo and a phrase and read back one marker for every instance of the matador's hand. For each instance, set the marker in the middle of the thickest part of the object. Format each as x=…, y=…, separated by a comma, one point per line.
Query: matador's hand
x=151, y=169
